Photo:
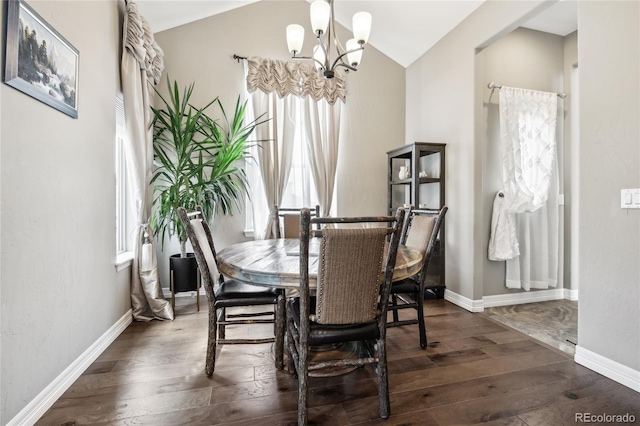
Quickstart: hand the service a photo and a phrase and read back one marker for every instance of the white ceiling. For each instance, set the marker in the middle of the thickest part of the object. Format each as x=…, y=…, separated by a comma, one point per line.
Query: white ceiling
x=401, y=29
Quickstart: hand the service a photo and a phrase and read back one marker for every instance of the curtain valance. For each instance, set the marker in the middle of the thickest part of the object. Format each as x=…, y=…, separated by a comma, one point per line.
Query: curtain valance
x=294, y=78
x=140, y=42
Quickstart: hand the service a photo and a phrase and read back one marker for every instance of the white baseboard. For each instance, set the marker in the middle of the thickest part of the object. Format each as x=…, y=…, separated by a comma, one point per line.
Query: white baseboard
x=570, y=294
x=509, y=299
x=522, y=297
x=45, y=399
x=613, y=370
x=464, y=302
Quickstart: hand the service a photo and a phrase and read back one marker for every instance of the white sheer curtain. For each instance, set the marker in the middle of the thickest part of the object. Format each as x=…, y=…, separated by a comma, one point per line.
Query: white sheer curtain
x=274, y=153
x=142, y=60
x=526, y=227
x=322, y=125
x=292, y=94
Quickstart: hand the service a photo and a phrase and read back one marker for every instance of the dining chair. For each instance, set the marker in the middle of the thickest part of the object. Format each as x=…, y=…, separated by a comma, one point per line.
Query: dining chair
x=287, y=221
x=420, y=231
x=354, y=277
x=230, y=294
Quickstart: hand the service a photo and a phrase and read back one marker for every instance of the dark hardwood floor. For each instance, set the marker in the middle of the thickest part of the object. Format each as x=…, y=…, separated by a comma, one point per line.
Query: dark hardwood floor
x=474, y=371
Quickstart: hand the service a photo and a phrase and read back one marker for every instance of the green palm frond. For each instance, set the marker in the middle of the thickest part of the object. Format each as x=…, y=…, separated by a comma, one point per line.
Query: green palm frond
x=197, y=159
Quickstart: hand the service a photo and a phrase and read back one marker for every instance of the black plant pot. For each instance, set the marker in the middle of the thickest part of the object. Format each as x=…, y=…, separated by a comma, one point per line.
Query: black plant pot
x=185, y=272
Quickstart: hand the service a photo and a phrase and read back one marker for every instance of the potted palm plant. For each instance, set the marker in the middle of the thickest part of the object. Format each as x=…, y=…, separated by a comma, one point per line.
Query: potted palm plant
x=197, y=161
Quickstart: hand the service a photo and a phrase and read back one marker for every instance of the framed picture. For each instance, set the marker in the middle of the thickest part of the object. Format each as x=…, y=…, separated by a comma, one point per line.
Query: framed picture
x=39, y=61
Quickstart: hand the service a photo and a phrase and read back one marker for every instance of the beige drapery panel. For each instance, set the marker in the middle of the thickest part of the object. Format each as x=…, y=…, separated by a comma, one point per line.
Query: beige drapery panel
x=142, y=60
x=305, y=96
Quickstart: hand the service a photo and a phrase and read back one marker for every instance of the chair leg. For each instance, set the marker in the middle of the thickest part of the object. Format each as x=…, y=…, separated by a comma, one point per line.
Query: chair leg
x=211, y=343
x=383, y=382
x=279, y=343
x=291, y=366
x=394, y=302
x=303, y=385
x=222, y=328
x=419, y=298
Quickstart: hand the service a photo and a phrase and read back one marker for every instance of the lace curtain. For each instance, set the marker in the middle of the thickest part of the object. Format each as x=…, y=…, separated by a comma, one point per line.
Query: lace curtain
x=524, y=231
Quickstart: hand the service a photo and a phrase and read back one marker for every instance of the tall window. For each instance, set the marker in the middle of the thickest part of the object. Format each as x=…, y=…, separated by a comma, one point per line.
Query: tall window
x=124, y=220
x=300, y=190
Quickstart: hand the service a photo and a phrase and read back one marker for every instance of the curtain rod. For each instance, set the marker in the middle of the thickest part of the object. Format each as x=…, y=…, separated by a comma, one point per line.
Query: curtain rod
x=238, y=57
x=492, y=86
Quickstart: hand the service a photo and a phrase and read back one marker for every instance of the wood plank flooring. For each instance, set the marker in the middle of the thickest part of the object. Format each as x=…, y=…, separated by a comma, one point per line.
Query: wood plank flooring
x=474, y=371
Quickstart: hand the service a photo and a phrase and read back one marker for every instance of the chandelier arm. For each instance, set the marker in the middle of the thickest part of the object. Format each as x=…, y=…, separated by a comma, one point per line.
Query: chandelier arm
x=340, y=61
x=308, y=58
x=326, y=54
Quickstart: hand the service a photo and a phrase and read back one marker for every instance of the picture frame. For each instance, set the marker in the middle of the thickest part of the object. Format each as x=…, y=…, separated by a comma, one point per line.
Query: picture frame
x=39, y=61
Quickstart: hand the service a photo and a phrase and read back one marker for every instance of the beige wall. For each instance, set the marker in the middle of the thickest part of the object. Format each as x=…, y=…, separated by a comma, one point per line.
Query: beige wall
x=528, y=59
x=373, y=116
x=60, y=290
x=609, y=157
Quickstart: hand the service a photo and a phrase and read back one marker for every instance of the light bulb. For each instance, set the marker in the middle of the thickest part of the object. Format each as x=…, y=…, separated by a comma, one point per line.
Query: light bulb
x=320, y=12
x=295, y=38
x=361, y=27
x=354, y=58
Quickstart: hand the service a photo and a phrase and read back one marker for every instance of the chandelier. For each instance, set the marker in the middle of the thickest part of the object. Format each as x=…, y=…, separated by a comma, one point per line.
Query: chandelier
x=323, y=25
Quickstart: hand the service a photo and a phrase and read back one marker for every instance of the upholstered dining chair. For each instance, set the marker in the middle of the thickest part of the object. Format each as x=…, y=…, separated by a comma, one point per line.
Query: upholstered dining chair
x=287, y=221
x=421, y=229
x=230, y=294
x=355, y=270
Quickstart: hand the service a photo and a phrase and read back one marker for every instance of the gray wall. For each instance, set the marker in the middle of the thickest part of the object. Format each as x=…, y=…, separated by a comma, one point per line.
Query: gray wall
x=609, y=156
x=531, y=60
x=570, y=146
x=60, y=290
x=444, y=104
x=373, y=116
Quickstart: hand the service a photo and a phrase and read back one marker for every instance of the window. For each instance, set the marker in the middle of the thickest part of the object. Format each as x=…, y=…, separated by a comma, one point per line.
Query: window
x=124, y=250
x=299, y=191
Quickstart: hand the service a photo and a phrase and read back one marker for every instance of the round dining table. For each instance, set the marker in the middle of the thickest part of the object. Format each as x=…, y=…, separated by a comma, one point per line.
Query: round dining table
x=276, y=262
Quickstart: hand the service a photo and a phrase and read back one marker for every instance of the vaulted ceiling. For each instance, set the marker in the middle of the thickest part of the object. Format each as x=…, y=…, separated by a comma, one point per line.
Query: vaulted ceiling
x=402, y=29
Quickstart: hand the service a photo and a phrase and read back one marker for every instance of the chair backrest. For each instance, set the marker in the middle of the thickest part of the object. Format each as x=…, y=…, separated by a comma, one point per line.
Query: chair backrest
x=355, y=267
x=420, y=231
x=204, y=250
x=290, y=218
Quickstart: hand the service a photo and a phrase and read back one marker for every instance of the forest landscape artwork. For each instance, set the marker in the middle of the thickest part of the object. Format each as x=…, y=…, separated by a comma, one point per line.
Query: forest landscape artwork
x=40, y=62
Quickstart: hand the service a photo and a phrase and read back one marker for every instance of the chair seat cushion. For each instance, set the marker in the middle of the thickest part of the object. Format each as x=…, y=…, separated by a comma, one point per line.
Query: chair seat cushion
x=406, y=286
x=236, y=293
x=321, y=334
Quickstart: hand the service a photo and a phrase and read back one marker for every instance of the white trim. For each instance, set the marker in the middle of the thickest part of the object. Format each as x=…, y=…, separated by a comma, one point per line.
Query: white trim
x=522, y=297
x=509, y=299
x=464, y=302
x=124, y=260
x=571, y=294
x=613, y=370
x=45, y=399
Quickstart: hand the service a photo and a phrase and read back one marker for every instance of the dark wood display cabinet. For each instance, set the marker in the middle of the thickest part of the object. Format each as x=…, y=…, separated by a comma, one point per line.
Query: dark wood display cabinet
x=416, y=177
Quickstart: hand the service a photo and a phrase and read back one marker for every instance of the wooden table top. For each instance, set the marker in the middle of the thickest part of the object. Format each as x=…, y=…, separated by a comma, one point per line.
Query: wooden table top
x=276, y=262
